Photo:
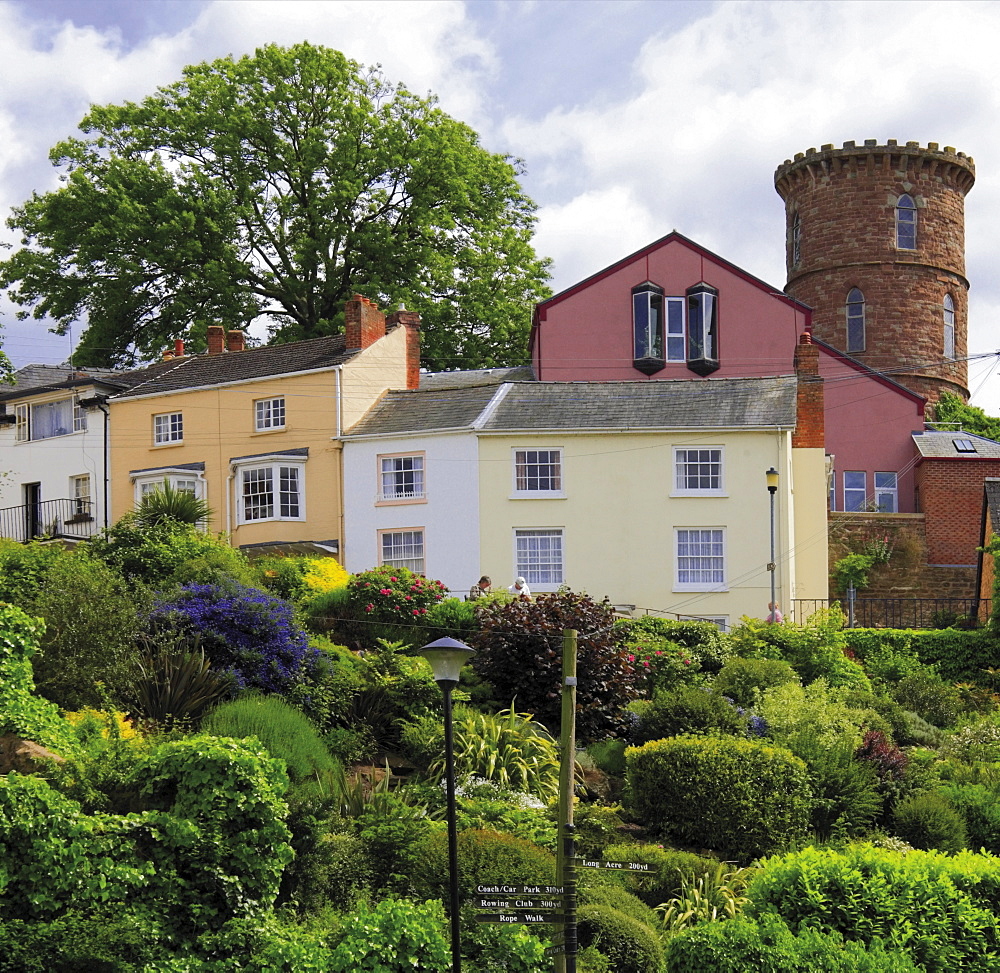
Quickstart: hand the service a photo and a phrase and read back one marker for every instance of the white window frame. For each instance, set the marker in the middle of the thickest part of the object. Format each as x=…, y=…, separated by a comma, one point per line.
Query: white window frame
x=716, y=458
x=179, y=479
x=675, y=328
x=521, y=463
x=852, y=491
x=22, y=423
x=277, y=470
x=269, y=414
x=79, y=415
x=887, y=493
x=721, y=622
x=684, y=579
x=80, y=493
x=407, y=540
x=543, y=566
x=394, y=475
x=168, y=428
x=833, y=489
x=949, y=326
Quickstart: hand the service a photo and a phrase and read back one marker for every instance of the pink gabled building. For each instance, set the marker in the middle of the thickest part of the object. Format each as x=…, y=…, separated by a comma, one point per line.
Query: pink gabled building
x=674, y=310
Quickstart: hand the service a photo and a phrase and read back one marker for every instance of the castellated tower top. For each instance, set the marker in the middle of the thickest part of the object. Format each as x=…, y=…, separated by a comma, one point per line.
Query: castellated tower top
x=875, y=244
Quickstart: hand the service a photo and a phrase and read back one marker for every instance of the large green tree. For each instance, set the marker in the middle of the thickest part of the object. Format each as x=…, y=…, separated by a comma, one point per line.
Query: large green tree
x=274, y=187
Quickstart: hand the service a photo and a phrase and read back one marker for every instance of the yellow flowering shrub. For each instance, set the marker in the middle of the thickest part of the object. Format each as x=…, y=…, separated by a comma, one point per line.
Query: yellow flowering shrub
x=87, y=722
x=325, y=574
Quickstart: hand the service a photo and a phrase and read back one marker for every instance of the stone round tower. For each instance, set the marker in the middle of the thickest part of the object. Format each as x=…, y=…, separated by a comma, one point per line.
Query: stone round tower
x=876, y=246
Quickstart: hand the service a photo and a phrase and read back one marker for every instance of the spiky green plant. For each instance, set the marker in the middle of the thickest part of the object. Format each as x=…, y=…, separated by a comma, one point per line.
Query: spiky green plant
x=714, y=895
x=166, y=503
x=510, y=749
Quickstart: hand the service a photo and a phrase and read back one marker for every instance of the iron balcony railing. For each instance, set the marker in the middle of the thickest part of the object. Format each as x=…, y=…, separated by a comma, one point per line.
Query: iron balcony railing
x=900, y=612
x=74, y=519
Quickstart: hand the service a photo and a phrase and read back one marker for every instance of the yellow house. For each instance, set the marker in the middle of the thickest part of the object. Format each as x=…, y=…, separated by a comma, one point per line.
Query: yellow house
x=256, y=431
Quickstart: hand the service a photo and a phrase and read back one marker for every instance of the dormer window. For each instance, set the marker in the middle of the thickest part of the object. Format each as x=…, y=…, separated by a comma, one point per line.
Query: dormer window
x=906, y=223
x=702, y=344
x=647, y=328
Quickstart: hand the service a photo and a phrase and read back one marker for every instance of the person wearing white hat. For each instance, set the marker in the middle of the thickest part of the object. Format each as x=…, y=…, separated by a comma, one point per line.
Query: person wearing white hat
x=520, y=589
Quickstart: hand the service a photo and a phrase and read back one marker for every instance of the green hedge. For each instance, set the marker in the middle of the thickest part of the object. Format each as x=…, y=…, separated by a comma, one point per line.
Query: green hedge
x=939, y=908
x=960, y=656
x=768, y=946
x=630, y=945
x=740, y=797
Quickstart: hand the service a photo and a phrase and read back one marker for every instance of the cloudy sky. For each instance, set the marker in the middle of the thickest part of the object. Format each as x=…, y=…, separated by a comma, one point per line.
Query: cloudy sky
x=634, y=117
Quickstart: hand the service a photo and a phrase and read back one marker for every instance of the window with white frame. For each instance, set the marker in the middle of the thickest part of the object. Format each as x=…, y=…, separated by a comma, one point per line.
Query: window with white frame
x=855, y=490
x=833, y=489
x=949, y=326
x=721, y=622
x=269, y=414
x=698, y=470
x=886, y=493
x=538, y=557
x=271, y=491
x=402, y=549
x=855, y=311
x=906, y=223
x=179, y=480
x=538, y=473
x=168, y=428
x=701, y=558
x=401, y=478
x=80, y=492
x=46, y=420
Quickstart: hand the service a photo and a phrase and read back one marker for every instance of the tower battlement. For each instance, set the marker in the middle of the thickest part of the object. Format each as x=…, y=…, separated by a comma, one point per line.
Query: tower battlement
x=909, y=160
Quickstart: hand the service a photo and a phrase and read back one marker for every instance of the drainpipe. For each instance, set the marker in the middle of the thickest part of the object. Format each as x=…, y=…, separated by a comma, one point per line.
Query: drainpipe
x=101, y=402
x=229, y=503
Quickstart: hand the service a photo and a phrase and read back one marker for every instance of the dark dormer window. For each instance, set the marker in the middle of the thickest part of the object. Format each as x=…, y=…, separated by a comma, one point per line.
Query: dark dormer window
x=647, y=328
x=906, y=223
x=703, y=336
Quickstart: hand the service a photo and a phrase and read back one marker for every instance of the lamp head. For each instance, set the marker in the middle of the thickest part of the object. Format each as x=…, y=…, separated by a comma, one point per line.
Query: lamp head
x=772, y=480
x=446, y=657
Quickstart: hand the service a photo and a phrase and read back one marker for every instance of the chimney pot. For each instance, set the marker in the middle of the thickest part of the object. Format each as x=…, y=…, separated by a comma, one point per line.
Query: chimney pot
x=179, y=347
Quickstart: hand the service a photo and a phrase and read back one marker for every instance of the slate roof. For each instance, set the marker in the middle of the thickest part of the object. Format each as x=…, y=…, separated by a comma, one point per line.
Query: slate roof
x=731, y=403
x=936, y=444
x=199, y=371
x=40, y=379
x=480, y=376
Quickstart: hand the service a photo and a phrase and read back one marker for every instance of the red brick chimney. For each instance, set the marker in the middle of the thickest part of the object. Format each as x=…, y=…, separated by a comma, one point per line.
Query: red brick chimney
x=235, y=341
x=216, y=339
x=411, y=321
x=364, y=323
x=178, y=347
x=809, y=424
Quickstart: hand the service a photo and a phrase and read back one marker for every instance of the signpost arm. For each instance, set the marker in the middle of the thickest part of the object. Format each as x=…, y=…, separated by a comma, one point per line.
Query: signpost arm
x=566, y=864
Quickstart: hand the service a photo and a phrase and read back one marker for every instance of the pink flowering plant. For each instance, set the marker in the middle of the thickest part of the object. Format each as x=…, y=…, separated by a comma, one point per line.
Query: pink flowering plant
x=661, y=664
x=391, y=603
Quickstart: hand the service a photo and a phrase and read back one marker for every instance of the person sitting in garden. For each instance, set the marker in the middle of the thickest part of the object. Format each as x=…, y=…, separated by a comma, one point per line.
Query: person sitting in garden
x=774, y=617
x=520, y=589
x=480, y=588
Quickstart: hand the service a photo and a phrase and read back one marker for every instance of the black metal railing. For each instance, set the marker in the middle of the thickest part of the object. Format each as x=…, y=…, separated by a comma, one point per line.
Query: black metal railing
x=899, y=612
x=66, y=518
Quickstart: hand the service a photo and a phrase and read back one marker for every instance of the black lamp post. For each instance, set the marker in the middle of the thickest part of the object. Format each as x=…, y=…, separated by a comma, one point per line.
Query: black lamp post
x=446, y=657
x=772, y=489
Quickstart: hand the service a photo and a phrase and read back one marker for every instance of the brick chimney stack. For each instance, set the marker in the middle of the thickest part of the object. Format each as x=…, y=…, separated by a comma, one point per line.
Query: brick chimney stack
x=235, y=341
x=809, y=426
x=216, y=339
x=411, y=321
x=364, y=323
x=178, y=347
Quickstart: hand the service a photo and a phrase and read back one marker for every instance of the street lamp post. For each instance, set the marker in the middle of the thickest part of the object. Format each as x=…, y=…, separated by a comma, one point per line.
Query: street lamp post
x=772, y=489
x=446, y=657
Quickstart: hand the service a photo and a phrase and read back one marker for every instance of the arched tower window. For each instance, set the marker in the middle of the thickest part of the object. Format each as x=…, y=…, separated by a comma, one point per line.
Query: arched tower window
x=855, y=320
x=796, y=240
x=949, y=326
x=906, y=223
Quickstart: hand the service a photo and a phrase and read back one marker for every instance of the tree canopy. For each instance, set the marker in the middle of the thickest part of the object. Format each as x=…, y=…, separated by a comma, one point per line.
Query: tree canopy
x=273, y=187
x=950, y=411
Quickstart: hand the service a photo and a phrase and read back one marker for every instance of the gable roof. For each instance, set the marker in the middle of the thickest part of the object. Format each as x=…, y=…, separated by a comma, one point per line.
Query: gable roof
x=41, y=379
x=541, y=309
x=935, y=444
x=731, y=403
x=203, y=371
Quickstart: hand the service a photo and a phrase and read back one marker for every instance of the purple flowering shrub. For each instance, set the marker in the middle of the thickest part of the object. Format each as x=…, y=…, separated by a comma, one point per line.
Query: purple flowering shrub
x=244, y=631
